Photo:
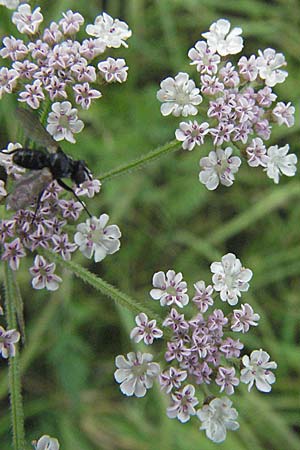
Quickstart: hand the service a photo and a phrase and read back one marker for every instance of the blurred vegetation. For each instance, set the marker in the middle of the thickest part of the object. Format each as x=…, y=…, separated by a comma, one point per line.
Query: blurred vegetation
x=168, y=220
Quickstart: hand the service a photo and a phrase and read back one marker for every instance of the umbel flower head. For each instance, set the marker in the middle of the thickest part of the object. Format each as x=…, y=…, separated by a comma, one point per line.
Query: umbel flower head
x=241, y=107
x=200, y=358
x=51, y=64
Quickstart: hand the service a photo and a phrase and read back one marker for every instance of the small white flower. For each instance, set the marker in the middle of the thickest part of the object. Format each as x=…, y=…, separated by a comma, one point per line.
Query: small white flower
x=183, y=403
x=10, y=4
x=230, y=278
x=146, y=330
x=94, y=237
x=220, y=40
x=113, y=70
x=89, y=188
x=243, y=318
x=8, y=80
x=63, y=122
x=191, y=134
x=268, y=64
x=109, y=31
x=179, y=96
x=279, y=162
x=219, y=167
x=169, y=289
x=47, y=443
x=43, y=275
x=256, y=153
x=217, y=417
x=136, y=374
x=205, y=59
x=27, y=21
x=284, y=114
x=257, y=370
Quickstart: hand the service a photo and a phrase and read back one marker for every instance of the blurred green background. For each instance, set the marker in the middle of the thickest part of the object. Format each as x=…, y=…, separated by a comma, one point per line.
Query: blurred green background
x=168, y=220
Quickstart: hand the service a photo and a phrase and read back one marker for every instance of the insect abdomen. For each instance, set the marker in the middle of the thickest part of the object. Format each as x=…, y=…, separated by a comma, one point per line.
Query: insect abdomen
x=31, y=159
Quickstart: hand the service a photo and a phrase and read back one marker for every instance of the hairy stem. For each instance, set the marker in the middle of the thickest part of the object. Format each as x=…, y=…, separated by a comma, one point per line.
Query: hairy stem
x=140, y=162
x=14, y=378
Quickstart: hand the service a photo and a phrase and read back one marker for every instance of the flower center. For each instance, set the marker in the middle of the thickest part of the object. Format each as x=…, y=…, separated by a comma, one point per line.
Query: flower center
x=171, y=290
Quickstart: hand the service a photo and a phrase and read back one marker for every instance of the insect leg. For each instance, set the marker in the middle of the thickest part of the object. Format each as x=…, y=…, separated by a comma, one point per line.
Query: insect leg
x=68, y=188
x=37, y=205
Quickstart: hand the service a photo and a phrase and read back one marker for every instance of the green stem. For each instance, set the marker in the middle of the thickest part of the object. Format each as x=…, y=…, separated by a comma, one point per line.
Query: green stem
x=14, y=379
x=105, y=288
x=140, y=162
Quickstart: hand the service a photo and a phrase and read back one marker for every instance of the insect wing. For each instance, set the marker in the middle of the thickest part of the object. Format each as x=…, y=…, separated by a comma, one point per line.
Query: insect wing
x=34, y=129
x=27, y=189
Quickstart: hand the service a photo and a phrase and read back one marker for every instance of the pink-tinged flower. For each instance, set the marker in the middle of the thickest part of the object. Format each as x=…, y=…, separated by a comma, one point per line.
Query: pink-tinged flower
x=71, y=22
x=7, y=229
x=63, y=122
x=8, y=339
x=43, y=275
x=70, y=209
x=211, y=85
x=258, y=370
x=204, y=58
x=263, y=129
x=176, y=322
x=203, y=296
x=89, y=188
x=216, y=321
x=27, y=21
x=25, y=69
x=83, y=72
x=269, y=63
x=84, y=94
x=231, y=348
x=256, y=153
x=172, y=378
x=46, y=443
x=191, y=134
x=243, y=318
x=40, y=238
x=177, y=351
x=113, y=70
x=52, y=35
x=146, y=330
x=8, y=80
x=179, y=96
x=13, y=252
x=33, y=94
x=56, y=88
x=170, y=289
x=279, y=162
x=39, y=50
x=230, y=278
x=248, y=68
x=219, y=167
x=265, y=97
x=217, y=417
x=284, y=114
x=183, y=404
x=15, y=49
x=62, y=245
x=226, y=379
x=220, y=40
x=229, y=76
x=90, y=48
x=109, y=31
x=222, y=133
x=136, y=373
x=94, y=237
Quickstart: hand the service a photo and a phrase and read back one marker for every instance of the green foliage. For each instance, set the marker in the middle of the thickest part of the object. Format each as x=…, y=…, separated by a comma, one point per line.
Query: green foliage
x=168, y=220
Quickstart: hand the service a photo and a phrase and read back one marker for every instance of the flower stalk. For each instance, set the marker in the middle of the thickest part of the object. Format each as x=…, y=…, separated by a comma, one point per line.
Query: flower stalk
x=14, y=378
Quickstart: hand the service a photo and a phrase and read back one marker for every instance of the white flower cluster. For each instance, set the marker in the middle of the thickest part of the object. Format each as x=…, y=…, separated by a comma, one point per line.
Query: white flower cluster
x=198, y=352
x=52, y=64
x=238, y=114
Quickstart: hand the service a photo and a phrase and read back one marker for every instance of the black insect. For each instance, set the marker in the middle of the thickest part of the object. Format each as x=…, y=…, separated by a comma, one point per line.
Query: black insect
x=45, y=165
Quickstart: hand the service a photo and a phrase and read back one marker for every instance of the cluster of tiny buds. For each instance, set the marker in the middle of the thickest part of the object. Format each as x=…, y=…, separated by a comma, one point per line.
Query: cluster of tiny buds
x=239, y=106
x=198, y=351
x=47, y=228
x=46, y=442
x=52, y=64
